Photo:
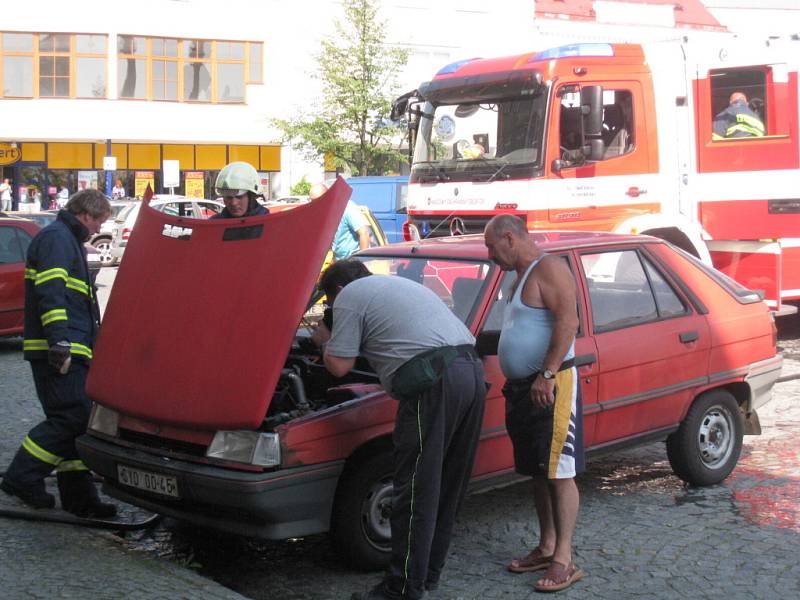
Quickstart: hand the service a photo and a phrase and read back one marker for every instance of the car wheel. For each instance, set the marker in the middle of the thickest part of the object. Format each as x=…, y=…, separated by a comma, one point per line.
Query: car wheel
x=708, y=442
x=103, y=246
x=361, y=516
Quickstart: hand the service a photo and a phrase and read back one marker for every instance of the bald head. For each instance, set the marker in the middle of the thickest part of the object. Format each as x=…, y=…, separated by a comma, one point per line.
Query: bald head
x=317, y=190
x=501, y=224
x=738, y=97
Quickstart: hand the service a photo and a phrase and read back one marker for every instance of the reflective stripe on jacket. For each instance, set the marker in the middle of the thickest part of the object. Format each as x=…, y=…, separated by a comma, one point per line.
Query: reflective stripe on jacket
x=60, y=300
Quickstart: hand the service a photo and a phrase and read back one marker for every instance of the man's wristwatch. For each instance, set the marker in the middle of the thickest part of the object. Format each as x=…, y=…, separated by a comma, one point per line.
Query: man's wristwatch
x=548, y=374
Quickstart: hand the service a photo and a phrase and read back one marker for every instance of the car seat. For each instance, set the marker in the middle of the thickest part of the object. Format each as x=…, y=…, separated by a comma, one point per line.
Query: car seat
x=615, y=135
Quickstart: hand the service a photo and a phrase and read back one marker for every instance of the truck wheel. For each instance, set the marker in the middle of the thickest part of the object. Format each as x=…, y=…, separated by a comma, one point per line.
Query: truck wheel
x=360, y=526
x=708, y=442
x=103, y=246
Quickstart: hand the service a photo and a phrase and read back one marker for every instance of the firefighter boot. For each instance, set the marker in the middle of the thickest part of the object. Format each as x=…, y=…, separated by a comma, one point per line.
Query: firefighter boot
x=79, y=496
x=32, y=495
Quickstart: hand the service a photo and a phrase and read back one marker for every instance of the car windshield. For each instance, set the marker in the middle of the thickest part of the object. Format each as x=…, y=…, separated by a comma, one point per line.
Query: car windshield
x=459, y=283
x=482, y=141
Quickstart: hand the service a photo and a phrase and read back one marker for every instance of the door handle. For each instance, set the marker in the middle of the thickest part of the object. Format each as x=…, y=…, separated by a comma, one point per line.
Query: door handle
x=585, y=359
x=688, y=336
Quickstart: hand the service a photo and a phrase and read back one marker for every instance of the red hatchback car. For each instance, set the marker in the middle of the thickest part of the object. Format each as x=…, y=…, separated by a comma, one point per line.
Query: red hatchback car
x=210, y=409
x=15, y=237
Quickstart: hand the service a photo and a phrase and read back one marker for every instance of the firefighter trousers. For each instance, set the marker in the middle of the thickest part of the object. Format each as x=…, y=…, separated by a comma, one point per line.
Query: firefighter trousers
x=51, y=444
x=435, y=437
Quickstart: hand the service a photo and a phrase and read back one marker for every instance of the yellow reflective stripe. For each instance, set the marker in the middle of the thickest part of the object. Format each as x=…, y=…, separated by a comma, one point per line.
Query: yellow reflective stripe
x=35, y=345
x=45, y=276
x=81, y=350
x=38, y=452
x=753, y=122
x=71, y=465
x=78, y=285
x=30, y=274
x=57, y=314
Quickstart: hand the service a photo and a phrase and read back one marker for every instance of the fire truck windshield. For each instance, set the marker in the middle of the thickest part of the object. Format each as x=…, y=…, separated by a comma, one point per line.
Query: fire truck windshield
x=480, y=141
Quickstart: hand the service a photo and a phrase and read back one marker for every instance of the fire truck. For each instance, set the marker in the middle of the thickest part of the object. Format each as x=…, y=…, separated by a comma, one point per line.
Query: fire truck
x=620, y=137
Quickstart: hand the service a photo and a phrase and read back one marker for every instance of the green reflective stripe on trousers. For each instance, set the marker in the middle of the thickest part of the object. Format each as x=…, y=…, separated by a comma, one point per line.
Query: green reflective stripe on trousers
x=35, y=345
x=38, y=452
x=57, y=314
x=413, y=489
x=71, y=465
x=45, y=276
x=78, y=285
x=30, y=274
x=81, y=350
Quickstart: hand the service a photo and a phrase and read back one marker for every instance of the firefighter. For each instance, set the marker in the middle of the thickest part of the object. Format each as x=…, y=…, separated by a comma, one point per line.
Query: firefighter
x=737, y=120
x=237, y=183
x=62, y=318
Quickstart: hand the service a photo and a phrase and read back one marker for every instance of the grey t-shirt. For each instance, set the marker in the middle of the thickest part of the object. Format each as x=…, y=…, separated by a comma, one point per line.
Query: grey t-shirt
x=388, y=320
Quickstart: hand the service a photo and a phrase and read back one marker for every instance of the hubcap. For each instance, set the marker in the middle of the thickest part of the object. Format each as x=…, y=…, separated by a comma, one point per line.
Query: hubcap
x=715, y=437
x=376, y=511
x=104, y=248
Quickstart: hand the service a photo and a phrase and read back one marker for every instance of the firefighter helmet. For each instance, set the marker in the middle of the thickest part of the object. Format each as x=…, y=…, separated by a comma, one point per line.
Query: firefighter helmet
x=236, y=179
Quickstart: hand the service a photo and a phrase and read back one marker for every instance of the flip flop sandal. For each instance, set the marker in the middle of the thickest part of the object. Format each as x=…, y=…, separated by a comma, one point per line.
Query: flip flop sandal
x=533, y=561
x=561, y=575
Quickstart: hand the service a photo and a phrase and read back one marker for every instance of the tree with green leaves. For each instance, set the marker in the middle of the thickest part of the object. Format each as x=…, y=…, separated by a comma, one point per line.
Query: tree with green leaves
x=358, y=73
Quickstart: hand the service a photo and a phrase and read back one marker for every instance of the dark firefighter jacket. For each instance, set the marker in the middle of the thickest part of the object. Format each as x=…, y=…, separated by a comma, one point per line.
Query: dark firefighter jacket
x=60, y=300
x=738, y=121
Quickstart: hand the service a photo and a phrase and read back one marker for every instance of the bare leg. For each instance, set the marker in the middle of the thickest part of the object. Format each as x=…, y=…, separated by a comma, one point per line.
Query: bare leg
x=544, y=501
x=565, y=512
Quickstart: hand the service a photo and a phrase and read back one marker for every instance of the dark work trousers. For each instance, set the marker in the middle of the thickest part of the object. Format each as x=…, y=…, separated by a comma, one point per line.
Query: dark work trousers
x=51, y=443
x=435, y=437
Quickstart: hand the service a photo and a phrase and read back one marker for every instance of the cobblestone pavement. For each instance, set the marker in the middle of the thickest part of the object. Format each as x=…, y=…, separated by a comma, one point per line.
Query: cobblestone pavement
x=641, y=532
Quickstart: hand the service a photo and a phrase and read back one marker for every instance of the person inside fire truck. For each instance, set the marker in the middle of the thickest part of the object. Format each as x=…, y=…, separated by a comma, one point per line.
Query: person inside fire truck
x=737, y=120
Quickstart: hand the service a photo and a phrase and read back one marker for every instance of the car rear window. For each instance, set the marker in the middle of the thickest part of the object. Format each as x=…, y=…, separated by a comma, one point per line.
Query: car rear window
x=740, y=293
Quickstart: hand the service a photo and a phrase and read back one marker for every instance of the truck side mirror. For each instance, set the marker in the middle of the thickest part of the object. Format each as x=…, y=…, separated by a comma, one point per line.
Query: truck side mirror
x=592, y=111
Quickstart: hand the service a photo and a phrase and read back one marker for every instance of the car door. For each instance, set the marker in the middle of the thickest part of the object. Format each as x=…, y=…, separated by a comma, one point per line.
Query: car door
x=652, y=344
x=13, y=245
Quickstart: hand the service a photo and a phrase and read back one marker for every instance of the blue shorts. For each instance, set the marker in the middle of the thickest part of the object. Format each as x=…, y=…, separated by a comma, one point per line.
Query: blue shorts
x=547, y=441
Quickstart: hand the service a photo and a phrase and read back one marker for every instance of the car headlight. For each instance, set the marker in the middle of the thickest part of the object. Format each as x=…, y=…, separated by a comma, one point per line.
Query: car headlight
x=252, y=447
x=103, y=420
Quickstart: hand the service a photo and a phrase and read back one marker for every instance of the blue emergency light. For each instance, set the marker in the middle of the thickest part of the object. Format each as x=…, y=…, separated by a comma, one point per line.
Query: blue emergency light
x=453, y=67
x=574, y=50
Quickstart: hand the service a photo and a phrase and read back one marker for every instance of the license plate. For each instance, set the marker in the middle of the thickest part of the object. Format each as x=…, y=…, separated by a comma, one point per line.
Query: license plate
x=156, y=483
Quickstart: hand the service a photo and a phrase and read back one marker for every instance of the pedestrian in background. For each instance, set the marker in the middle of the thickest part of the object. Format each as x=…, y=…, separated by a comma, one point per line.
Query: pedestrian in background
x=5, y=195
x=63, y=197
x=425, y=358
x=352, y=234
x=61, y=323
x=542, y=392
x=118, y=191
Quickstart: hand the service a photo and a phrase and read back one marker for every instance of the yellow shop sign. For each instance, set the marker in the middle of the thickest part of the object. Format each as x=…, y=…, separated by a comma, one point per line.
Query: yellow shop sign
x=9, y=154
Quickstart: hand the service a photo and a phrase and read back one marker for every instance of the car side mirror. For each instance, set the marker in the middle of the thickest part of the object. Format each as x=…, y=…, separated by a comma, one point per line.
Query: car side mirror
x=486, y=343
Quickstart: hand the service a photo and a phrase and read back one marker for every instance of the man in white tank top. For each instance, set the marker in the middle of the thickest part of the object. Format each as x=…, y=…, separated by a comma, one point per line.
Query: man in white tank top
x=543, y=412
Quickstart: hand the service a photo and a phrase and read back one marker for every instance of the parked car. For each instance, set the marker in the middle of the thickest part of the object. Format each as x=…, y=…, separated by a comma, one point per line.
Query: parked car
x=386, y=198
x=211, y=414
x=43, y=218
x=15, y=237
x=172, y=205
x=102, y=239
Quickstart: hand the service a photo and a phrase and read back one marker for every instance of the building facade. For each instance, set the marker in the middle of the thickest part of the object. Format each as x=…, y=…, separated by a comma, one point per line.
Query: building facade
x=90, y=95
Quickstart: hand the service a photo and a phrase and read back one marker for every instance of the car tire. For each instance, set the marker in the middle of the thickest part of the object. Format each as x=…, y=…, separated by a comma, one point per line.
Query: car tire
x=707, y=445
x=360, y=522
x=103, y=246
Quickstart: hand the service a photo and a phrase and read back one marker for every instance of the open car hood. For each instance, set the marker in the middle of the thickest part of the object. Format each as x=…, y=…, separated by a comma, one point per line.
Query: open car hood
x=198, y=327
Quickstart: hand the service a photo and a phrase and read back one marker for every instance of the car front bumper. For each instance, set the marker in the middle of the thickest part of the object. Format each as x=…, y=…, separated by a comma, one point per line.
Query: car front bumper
x=274, y=505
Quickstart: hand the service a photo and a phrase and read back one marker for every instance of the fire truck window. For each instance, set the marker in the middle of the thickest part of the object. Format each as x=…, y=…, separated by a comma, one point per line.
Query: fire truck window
x=738, y=103
x=618, y=126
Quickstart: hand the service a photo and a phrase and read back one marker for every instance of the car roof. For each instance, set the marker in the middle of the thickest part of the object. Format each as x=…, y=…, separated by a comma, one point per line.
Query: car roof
x=472, y=246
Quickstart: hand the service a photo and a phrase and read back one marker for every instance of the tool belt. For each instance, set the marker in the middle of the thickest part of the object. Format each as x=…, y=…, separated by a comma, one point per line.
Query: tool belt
x=423, y=371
